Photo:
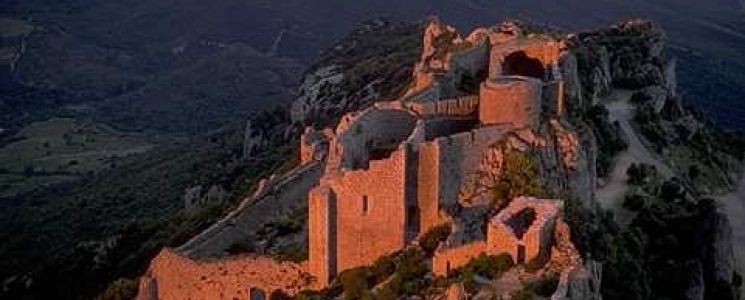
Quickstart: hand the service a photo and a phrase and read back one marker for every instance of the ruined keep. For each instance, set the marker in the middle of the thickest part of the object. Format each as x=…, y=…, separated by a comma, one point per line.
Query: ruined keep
x=394, y=170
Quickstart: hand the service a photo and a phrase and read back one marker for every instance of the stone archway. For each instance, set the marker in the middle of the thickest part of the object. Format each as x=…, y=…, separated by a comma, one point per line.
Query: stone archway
x=519, y=63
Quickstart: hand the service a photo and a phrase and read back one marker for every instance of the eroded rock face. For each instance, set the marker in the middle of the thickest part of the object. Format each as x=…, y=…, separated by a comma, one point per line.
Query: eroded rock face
x=315, y=86
x=635, y=53
x=197, y=196
x=718, y=257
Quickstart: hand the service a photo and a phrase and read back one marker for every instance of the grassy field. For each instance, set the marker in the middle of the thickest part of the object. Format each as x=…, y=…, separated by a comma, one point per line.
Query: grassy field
x=59, y=150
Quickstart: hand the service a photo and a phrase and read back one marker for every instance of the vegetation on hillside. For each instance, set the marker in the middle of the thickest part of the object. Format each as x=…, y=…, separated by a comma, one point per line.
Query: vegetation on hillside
x=519, y=177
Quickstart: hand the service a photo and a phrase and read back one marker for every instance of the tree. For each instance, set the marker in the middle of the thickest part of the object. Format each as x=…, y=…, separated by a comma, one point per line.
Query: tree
x=519, y=178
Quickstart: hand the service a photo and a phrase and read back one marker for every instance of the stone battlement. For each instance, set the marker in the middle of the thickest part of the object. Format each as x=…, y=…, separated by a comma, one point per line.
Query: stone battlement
x=454, y=107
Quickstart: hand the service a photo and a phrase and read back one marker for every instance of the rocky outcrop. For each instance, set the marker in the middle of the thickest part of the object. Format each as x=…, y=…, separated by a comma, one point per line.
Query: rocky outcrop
x=197, y=196
x=718, y=259
x=629, y=55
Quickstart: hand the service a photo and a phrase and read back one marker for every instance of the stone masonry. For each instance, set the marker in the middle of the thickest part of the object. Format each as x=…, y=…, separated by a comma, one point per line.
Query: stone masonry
x=395, y=170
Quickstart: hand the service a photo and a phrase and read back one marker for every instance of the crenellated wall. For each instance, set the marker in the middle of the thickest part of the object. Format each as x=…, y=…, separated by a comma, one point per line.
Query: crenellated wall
x=461, y=106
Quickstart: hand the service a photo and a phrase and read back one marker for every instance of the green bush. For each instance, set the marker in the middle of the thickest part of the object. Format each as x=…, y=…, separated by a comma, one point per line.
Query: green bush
x=356, y=282
x=545, y=286
x=382, y=268
x=487, y=266
x=537, y=262
x=121, y=289
x=519, y=178
x=432, y=238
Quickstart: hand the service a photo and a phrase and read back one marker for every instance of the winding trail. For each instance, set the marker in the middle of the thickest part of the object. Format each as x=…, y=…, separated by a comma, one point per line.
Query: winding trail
x=611, y=194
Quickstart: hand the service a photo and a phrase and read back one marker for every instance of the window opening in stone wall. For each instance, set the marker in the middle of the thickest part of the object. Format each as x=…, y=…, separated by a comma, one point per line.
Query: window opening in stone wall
x=365, y=205
x=520, y=254
x=257, y=294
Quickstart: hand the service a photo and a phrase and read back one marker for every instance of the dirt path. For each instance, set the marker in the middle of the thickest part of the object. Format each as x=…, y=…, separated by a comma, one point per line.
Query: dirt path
x=611, y=194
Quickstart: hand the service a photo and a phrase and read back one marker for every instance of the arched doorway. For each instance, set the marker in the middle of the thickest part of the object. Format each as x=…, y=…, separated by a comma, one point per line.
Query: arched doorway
x=519, y=63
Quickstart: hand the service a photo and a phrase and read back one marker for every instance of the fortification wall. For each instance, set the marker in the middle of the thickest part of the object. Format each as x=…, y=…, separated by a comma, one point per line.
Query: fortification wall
x=445, y=126
x=471, y=60
x=501, y=239
x=545, y=50
x=537, y=238
x=459, y=158
x=371, y=214
x=447, y=259
x=360, y=134
x=322, y=204
x=279, y=197
x=514, y=100
x=461, y=106
x=428, y=187
x=174, y=277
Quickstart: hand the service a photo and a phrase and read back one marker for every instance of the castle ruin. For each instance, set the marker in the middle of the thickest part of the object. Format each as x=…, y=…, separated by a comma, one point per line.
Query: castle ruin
x=396, y=170
x=393, y=170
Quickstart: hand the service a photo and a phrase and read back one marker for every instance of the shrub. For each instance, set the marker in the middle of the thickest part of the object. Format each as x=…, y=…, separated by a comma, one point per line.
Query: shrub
x=432, y=238
x=382, y=268
x=279, y=295
x=537, y=262
x=122, y=289
x=355, y=282
x=487, y=266
x=634, y=202
x=638, y=174
x=545, y=286
x=519, y=178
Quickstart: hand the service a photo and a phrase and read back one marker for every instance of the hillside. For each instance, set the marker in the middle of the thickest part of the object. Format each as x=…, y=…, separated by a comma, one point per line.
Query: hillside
x=635, y=208
x=119, y=56
x=116, y=219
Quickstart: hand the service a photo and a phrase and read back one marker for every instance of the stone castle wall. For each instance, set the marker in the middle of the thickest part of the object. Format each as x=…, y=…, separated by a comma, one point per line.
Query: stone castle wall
x=471, y=60
x=545, y=50
x=359, y=134
x=322, y=204
x=538, y=237
x=367, y=233
x=359, y=215
x=174, y=277
x=459, y=158
x=447, y=259
x=514, y=100
x=461, y=106
x=428, y=189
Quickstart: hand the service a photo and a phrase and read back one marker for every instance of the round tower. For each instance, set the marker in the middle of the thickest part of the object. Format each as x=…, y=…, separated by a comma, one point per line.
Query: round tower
x=510, y=100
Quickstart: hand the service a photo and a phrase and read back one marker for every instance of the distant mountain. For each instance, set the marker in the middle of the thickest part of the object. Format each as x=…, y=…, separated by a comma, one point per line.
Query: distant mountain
x=107, y=48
